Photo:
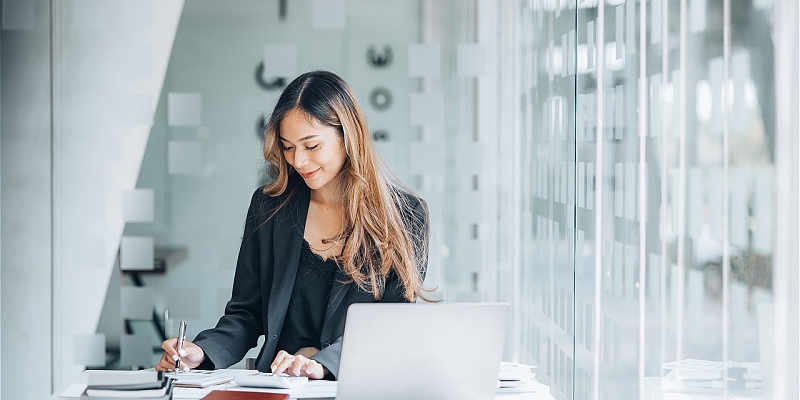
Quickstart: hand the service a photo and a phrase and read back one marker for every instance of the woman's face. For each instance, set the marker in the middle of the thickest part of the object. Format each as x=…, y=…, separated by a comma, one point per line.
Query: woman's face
x=316, y=151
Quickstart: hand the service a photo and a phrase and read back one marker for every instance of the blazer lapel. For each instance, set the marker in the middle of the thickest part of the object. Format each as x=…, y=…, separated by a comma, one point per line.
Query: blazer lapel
x=287, y=239
x=338, y=292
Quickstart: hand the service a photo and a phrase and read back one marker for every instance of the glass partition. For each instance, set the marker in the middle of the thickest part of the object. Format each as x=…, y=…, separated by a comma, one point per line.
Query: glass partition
x=552, y=303
x=649, y=219
x=675, y=144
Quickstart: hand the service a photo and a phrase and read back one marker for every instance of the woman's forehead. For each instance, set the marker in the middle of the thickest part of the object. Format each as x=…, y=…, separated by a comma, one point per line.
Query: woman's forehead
x=298, y=126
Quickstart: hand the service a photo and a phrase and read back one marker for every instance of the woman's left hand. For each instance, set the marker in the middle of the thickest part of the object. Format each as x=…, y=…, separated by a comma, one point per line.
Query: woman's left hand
x=297, y=365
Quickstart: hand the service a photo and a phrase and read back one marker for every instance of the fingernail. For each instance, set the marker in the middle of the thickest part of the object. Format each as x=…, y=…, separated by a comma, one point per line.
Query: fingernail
x=185, y=369
x=272, y=367
x=182, y=352
x=175, y=357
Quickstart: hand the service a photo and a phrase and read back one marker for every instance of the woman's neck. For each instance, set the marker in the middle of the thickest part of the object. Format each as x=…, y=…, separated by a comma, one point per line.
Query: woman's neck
x=330, y=195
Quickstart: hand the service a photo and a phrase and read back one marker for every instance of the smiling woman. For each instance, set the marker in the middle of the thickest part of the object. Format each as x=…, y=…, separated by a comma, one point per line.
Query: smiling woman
x=354, y=234
x=314, y=150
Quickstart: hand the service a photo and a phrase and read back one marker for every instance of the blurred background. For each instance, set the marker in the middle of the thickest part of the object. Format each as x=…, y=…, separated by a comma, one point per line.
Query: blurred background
x=624, y=173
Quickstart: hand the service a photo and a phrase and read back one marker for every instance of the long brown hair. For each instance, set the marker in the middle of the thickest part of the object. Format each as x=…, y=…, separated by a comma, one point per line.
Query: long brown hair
x=380, y=223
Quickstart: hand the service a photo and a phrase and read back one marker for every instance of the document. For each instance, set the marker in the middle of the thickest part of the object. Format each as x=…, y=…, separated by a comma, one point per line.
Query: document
x=203, y=379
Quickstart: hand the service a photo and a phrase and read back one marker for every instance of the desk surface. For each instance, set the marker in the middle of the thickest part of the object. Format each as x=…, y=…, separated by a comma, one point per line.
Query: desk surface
x=315, y=389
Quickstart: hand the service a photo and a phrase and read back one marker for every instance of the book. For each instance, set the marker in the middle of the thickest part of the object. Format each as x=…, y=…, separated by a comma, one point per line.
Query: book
x=228, y=395
x=164, y=393
x=126, y=380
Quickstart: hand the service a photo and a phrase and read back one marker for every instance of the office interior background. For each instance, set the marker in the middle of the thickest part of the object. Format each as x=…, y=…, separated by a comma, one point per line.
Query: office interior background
x=624, y=173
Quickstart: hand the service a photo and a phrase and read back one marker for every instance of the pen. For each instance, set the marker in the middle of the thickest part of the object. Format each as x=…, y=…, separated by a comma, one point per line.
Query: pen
x=181, y=338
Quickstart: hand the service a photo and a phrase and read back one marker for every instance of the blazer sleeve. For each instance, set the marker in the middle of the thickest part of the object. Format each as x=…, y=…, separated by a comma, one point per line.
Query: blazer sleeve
x=239, y=328
x=329, y=356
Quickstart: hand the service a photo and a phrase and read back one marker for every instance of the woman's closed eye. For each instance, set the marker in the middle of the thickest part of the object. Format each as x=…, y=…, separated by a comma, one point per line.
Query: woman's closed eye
x=308, y=148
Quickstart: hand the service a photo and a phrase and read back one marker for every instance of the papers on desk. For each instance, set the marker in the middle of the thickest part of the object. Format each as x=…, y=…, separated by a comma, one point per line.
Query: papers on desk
x=202, y=379
x=513, y=372
x=702, y=376
x=518, y=378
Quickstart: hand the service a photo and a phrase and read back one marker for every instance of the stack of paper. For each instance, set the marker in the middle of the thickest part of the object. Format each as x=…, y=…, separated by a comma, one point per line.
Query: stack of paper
x=148, y=384
x=709, y=376
x=515, y=377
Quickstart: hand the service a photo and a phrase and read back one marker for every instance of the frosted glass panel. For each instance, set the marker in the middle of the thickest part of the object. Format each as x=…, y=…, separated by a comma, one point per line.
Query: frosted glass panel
x=185, y=157
x=426, y=158
x=136, y=253
x=424, y=60
x=185, y=109
x=137, y=205
x=182, y=305
x=136, y=302
x=471, y=59
x=427, y=109
x=469, y=255
x=328, y=14
x=136, y=350
x=693, y=254
x=280, y=60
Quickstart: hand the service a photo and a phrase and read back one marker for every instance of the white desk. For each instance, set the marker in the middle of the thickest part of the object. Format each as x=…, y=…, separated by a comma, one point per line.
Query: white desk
x=653, y=391
x=316, y=389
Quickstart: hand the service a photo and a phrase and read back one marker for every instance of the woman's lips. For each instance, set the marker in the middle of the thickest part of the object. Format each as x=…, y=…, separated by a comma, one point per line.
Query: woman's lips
x=309, y=175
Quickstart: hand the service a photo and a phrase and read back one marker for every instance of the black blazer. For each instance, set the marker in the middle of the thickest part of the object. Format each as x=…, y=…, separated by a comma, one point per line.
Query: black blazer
x=264, y=279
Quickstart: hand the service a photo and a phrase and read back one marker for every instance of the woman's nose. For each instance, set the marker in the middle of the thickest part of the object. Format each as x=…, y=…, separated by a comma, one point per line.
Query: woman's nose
x=300, y=158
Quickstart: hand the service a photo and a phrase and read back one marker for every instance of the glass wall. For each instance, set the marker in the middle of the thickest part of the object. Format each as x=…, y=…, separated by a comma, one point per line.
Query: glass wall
x=554, y=305
x=652, y=196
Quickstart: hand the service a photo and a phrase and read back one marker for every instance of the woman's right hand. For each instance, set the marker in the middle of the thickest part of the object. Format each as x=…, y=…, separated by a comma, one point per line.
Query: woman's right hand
x=191, y=355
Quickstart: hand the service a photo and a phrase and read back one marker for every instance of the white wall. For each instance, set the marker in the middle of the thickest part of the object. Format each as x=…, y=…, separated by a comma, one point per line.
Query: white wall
x=25, y=214
x=109, y=64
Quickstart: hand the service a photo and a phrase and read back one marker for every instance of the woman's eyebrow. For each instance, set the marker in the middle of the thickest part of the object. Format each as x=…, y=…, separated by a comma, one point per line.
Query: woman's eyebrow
x=302, y=139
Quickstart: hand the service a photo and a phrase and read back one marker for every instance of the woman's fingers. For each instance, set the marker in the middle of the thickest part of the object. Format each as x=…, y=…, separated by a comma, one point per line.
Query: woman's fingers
x=296, y=365
x=169, y=346
x=281, y=362
x=192, y=355
x=313, y=370
x=165, y=363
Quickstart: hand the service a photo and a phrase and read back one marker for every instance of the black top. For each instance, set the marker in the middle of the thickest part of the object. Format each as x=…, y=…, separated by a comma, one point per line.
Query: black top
x=306, y=313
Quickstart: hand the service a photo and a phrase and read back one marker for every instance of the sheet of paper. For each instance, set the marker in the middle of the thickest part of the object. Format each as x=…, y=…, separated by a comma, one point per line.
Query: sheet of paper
x=73, y=391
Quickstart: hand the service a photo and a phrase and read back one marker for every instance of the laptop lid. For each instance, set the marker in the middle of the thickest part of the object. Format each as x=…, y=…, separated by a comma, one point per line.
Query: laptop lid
x=422, y=351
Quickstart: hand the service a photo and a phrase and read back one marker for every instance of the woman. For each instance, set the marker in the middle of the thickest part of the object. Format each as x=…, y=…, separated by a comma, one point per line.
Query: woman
x=334, y=228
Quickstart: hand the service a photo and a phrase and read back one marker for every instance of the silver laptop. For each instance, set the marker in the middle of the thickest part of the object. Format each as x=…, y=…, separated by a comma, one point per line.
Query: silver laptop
x=422, y=351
